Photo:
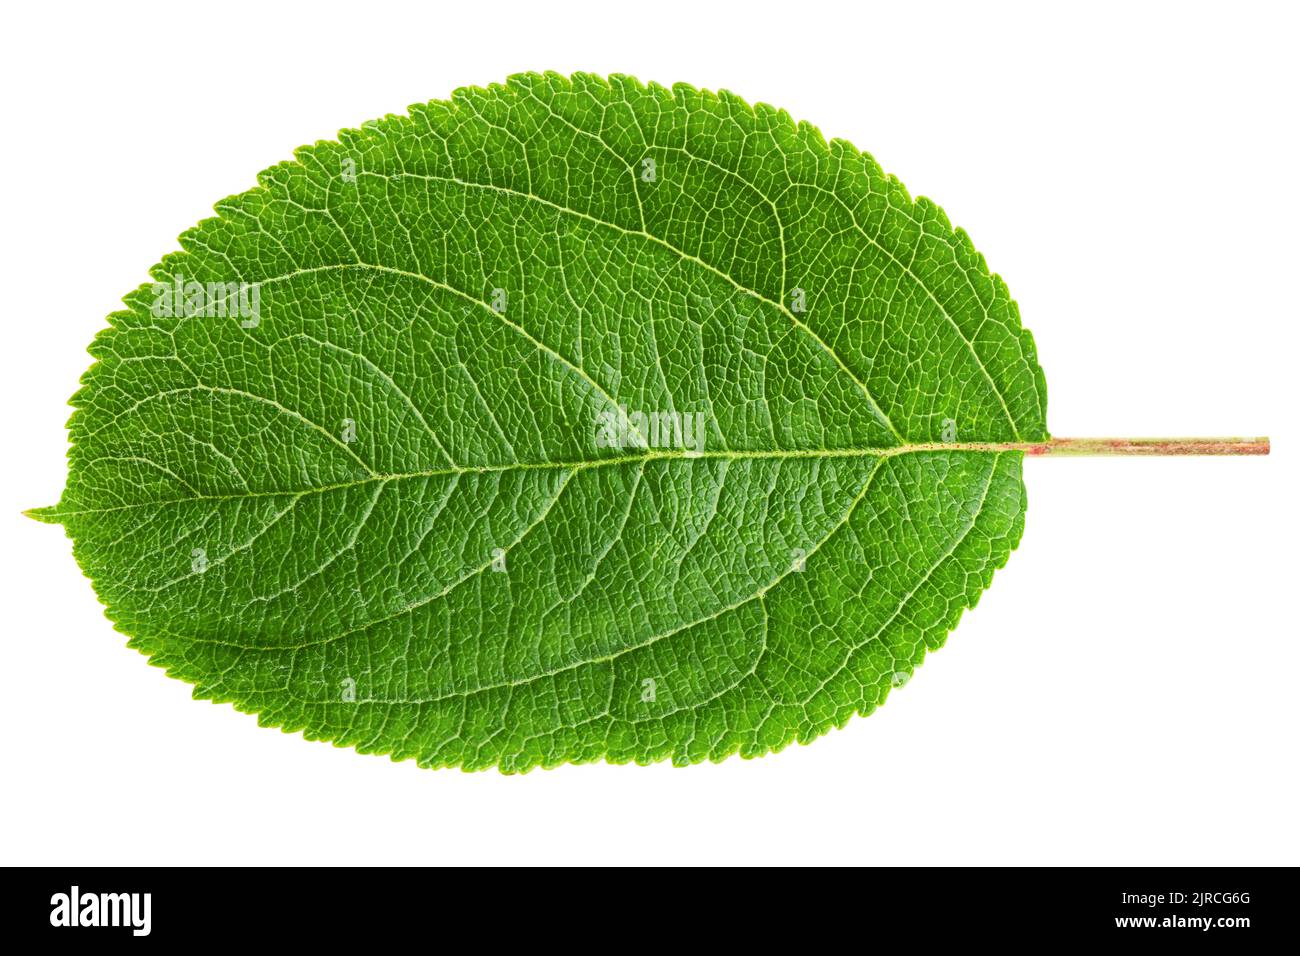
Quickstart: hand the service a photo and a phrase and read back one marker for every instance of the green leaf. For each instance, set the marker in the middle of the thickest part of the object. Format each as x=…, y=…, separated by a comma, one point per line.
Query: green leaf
x=565, y=420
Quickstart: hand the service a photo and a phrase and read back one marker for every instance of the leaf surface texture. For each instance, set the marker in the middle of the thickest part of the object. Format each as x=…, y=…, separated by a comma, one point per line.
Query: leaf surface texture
x=449, y=303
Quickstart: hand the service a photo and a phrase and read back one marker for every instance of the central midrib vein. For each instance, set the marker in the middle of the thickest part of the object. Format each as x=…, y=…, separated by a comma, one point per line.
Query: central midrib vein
x=585, y=464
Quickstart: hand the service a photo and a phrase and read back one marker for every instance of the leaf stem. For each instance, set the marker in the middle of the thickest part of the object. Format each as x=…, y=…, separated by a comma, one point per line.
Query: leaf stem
x=1095, y=447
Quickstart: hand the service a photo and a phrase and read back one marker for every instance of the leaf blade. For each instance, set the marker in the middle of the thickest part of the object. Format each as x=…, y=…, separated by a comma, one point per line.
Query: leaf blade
x=475, y=435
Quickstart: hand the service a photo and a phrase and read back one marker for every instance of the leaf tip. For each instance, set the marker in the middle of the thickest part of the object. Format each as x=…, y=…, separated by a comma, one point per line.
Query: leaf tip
x=47, y=515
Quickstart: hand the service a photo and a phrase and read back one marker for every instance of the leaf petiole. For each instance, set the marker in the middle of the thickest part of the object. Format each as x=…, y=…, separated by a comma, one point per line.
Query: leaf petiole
x=1108, y=447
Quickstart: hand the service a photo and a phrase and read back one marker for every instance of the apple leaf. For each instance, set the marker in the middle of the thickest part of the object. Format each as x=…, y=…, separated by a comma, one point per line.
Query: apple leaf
x=564, y=420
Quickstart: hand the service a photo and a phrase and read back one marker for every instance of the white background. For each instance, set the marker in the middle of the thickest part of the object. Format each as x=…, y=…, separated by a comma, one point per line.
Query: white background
x=1126, y=691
